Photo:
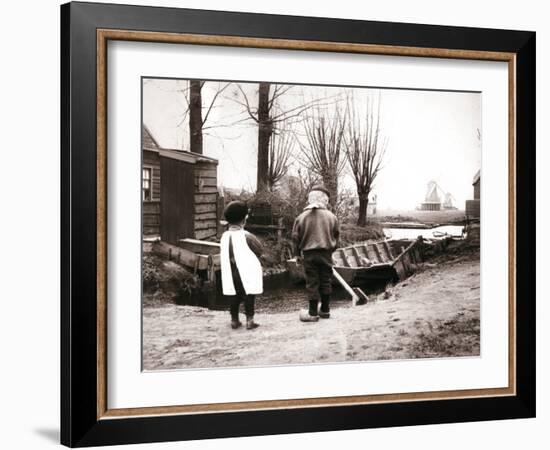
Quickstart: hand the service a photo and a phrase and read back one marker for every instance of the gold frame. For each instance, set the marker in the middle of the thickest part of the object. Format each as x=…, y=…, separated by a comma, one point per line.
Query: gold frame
x=104, y=35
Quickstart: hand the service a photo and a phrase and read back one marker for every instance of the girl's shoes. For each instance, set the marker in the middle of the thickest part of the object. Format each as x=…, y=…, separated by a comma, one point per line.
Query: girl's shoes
x=250, y=324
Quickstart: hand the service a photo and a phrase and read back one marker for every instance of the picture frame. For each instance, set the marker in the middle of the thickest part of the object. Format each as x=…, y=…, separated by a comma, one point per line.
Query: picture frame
x=86, y=419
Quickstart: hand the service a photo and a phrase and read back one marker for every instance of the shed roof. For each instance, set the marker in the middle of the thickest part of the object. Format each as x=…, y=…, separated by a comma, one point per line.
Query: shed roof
x=477, y=176
x=185, y=156
x=149, y=143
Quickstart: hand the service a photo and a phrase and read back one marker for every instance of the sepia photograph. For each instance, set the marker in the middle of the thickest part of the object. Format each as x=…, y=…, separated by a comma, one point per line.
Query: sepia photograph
x=288, y=224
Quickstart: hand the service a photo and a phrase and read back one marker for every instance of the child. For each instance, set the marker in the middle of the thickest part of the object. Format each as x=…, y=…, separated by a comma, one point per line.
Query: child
x=241, y=269
x=315, y=234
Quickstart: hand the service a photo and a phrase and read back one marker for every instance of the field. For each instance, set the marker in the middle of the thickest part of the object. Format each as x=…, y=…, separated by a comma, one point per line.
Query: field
x=440, y=217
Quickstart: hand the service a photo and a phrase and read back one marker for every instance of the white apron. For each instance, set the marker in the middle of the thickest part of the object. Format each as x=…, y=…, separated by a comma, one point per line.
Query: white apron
x=250, y=268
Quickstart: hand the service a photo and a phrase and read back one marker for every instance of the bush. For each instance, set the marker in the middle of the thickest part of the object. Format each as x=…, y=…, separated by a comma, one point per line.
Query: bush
x=352, y=234
x=165, y=280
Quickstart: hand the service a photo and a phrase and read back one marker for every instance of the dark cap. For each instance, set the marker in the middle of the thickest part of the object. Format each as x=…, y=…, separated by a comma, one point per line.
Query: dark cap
x=320, y=187
x=235, y=212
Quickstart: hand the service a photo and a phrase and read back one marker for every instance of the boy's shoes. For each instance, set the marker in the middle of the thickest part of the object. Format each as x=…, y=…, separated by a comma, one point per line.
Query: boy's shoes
x=250, y=324
x=306, y=317
x=324, y=315
x=236, y=324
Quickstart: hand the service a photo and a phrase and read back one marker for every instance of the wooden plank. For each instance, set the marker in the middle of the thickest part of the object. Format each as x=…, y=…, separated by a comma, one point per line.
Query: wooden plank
x=151, y=207
x=346, y=259
x=337, y=260
x=358, y=258
x=209, y=233
x=388, y=250
x=377, y=251
x=211, y=173
x=151, y=229
x=206, y=164
x=220, y=228
x=366, y=251
x=206, y=216
x=383, y=253
x=205, y=207
x=371, y=254
x=201, y=247
x=206, y=181
x=180, y=255
x=206, y=189
x=203, y=224
x=205, y=198
x=400, y=270
x=151, y=158
x=255, y=226
x=151, y=219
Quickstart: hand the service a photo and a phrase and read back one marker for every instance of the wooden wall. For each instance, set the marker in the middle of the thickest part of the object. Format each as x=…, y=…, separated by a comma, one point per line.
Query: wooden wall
x=151, y=209
x=477, y=186
x=473, y=208
x=151, y=218
x=206, y=198
x=184, y=205
x=176, y=206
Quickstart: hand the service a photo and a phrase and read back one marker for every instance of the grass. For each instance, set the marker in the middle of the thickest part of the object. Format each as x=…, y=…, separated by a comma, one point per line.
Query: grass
x=455, y=337
x=351, y=234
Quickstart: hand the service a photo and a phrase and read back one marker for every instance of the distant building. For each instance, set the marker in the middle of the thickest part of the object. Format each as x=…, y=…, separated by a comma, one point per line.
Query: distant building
x=179, y=193
x=371, y=206
x=473, y=206
x=432, y=201
x=449, y=201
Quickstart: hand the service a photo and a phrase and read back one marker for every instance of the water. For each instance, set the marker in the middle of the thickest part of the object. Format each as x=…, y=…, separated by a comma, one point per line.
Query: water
x=413, y=233
x=281, y=294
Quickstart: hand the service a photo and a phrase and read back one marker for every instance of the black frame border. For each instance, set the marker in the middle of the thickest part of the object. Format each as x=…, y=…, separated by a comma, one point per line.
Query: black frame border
x=79, y=423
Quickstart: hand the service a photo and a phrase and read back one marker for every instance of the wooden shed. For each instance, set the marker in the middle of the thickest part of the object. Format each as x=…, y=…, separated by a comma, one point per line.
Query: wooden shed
x=179, y=193
x=473, y=206
x=477, y=185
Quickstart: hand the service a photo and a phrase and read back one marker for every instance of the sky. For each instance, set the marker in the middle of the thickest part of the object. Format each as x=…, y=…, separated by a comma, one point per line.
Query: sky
x=431, y=135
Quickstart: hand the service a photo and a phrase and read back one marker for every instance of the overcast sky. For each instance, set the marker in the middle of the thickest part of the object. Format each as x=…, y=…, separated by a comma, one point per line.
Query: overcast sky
x=431, y=135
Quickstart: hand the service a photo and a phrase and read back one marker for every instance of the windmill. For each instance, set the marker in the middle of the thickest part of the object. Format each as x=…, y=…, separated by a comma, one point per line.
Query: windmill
x=434, y=194
x=449, y=201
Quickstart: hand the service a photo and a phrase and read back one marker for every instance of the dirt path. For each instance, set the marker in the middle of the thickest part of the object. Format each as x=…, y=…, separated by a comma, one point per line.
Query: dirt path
x=433, y=313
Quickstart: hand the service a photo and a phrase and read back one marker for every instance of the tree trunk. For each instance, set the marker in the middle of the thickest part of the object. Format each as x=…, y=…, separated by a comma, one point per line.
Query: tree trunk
x=363, y=204
x=195, y=117
x=331, y=184
x=265, y=129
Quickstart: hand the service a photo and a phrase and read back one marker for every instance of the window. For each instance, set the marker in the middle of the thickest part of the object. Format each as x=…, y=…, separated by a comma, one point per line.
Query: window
x=146, y=184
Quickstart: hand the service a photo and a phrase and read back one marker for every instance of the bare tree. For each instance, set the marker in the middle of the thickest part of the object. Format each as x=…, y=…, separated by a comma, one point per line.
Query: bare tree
x=265, y=130
x=324, y=152
x=365, y=149
x=270, y=118
x=195, y=116
x=197, y=123
x=281, y=146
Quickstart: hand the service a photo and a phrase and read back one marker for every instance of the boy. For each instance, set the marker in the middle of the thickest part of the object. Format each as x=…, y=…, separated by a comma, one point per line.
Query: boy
x=241, y=269
x=315, y=234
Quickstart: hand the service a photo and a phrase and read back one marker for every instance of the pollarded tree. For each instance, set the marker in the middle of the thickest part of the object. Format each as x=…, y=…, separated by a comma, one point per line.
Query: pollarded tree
x=324, y=153
x=272, y=116
x=365, y=148
x=281, y=145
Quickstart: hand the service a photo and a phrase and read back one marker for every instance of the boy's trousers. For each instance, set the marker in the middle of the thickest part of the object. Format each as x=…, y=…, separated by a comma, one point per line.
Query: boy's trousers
x=318, y=270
